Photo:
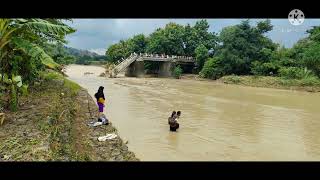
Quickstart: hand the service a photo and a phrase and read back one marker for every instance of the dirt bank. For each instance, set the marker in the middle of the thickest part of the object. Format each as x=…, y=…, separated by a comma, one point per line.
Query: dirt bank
x=51, y=125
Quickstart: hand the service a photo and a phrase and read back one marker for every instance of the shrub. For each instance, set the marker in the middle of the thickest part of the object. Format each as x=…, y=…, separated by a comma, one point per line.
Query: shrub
x=211, y=69
x=295, y=73
x=177, y=72
x=310, y=81
x=258, y=68
x=234, y=79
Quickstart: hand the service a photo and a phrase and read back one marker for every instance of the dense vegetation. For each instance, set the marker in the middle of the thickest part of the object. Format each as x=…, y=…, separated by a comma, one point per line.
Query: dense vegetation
x=241, y=49
x=24, y=54
x=173, y=39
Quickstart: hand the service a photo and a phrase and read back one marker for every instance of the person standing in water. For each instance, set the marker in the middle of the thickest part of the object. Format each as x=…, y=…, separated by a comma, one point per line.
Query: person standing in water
x=174, y=125
x=171, y=118
x=100, y=99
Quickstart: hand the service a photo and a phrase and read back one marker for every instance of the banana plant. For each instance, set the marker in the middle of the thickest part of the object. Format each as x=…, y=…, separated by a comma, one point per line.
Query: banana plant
x=25, y=36
x=19, y=31
x=5, y=32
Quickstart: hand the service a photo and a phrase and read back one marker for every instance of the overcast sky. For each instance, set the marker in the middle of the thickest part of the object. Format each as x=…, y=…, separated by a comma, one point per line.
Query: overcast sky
x=98, y=34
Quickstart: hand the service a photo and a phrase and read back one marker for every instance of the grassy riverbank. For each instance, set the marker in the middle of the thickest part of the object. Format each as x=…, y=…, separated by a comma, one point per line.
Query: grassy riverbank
x=51, y=125
x=310, y=85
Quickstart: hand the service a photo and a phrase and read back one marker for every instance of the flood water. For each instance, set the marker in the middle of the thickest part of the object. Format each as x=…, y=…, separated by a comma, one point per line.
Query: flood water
x=218, y=121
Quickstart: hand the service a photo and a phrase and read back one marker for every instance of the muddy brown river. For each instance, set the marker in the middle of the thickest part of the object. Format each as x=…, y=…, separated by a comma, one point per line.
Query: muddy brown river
x=218, y=122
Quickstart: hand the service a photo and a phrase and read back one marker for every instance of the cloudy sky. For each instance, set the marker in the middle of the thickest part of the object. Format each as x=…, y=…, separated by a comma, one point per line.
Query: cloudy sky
x=97, y=34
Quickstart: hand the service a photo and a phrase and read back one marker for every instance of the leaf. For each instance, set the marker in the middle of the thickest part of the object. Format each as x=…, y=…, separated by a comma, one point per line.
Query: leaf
x=5, y=32
x=35, y=52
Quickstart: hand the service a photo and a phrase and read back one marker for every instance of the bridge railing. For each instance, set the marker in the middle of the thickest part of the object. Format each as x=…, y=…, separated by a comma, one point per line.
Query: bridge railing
x=158, y=56
x=163, y=56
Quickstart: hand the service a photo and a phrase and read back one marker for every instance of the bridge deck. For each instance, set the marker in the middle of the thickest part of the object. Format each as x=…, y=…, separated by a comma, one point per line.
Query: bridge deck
x=165, y=59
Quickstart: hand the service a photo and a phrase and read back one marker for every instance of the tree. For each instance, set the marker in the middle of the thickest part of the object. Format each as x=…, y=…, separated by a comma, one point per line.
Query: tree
x=137, y=44
x=197, y=35
x=311, y=58
x=242, y=44
x=314, y=33
x=167, y=41
x=201, y=56
x=208, y=39
x=264, y=26
x=118, y=51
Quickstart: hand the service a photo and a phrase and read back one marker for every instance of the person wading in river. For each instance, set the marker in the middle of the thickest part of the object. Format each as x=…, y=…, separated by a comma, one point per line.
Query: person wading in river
x=174, y=125
x=100, y=99
x=171, y=117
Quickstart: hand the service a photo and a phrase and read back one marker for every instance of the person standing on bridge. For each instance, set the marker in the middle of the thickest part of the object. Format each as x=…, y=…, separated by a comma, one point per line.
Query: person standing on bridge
x=100, y=99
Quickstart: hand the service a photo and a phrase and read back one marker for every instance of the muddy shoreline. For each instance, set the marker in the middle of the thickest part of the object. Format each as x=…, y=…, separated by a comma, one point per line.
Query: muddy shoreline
x=51, y=125
x=110, y=150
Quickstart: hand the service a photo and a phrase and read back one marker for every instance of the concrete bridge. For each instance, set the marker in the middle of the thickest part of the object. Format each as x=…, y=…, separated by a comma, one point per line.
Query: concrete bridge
x=134, y=64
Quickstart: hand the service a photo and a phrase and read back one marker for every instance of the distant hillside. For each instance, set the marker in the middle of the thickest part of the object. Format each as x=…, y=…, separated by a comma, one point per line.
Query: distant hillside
x=79, y=52
x=84, y=56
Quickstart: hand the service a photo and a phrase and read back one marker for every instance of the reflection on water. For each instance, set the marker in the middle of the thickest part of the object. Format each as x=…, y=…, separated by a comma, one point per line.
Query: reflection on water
x=219, y=122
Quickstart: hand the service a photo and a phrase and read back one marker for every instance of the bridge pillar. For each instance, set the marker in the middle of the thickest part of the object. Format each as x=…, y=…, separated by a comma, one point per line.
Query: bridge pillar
x=136, y=69
x=129, y=70
x=139, y=68
x=165, y=69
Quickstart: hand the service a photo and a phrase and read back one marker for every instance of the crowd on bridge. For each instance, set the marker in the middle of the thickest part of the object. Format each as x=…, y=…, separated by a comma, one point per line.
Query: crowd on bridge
x=162, y=56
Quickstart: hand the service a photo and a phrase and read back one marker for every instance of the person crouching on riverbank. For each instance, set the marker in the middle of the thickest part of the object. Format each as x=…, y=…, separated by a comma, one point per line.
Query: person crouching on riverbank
x=100, y=99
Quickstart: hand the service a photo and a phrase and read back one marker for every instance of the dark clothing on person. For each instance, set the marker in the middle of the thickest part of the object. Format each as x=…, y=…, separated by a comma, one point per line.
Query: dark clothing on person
x=174, y=126
x=100, y=93
x=98, y=96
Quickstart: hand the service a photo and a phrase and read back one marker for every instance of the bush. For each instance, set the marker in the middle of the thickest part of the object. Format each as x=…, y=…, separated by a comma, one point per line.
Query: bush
x=211, y=69
x=311, y=57
x=310, y=81
x=234, y=79
x=264, y=69
x=50, y=75
x=74, y=87
x=295, y=73
x=177, y=72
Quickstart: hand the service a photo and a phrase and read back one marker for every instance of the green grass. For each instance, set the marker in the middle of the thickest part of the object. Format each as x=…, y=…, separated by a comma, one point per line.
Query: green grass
x=51, y=75
x=308, y=83
x=48, y=76
x=74, y=87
